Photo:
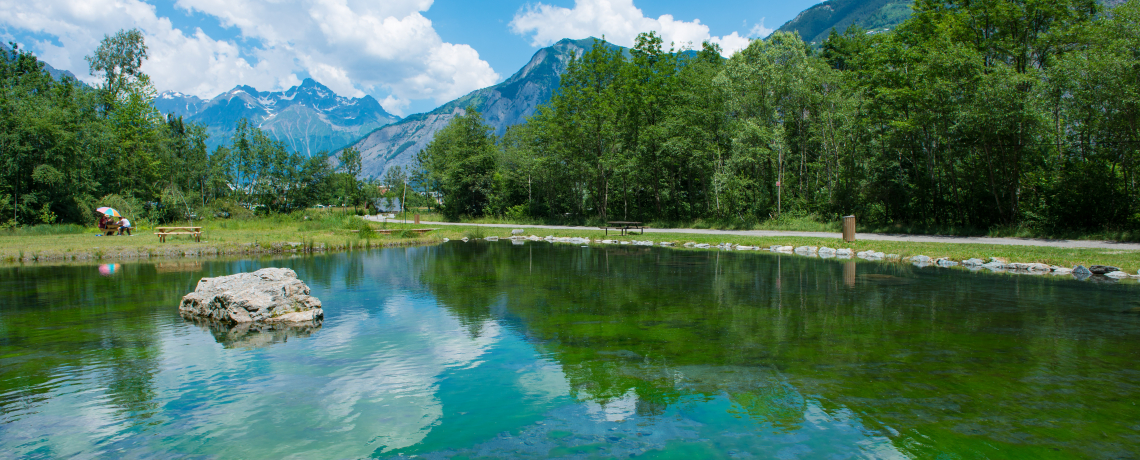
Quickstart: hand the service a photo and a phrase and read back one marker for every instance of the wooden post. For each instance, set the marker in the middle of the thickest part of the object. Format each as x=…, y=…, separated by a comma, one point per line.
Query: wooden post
x=849, y=228
x=417, y=219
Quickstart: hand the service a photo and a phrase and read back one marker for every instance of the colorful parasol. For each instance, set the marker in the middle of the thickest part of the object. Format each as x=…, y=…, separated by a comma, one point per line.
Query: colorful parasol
x=109, y=212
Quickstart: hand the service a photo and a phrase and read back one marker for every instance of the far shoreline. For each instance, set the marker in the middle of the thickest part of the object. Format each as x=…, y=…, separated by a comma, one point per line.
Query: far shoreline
x=256, y=238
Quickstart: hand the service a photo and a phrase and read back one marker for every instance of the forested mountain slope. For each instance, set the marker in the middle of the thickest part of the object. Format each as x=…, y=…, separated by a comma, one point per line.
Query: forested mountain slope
x=54, y=72
x=502, y=105
x=814, y=24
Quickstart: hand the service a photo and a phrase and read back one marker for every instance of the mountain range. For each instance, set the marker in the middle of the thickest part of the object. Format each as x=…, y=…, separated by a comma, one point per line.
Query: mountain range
x=309, y=118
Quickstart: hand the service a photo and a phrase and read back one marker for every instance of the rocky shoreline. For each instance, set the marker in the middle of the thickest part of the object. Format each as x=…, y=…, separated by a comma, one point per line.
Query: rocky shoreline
x=991, y=264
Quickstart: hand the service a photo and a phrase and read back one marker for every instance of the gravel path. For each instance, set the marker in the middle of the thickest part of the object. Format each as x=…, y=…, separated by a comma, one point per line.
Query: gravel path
x=1092, y=244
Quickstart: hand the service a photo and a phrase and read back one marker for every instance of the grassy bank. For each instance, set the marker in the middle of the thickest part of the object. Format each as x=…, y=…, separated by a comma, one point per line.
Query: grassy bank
x=814, y=224
x=321, y=231
x=313, y=231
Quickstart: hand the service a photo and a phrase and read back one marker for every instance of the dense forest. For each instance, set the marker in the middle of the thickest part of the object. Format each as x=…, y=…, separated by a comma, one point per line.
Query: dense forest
x=972, y=114
x=67, y=148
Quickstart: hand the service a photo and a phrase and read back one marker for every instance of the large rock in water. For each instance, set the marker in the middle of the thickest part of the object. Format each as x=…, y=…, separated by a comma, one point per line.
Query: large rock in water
x=266, y=295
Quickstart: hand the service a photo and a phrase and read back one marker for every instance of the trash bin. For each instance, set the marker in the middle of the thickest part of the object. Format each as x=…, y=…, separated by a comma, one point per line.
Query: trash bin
x=848, y=228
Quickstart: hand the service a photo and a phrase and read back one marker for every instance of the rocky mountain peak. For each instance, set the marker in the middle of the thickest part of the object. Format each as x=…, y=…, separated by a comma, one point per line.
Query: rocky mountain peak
x=308, y=117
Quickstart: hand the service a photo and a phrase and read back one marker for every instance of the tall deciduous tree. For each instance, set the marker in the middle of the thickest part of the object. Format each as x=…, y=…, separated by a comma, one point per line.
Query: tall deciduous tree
x=460, y=163
x=118, y=60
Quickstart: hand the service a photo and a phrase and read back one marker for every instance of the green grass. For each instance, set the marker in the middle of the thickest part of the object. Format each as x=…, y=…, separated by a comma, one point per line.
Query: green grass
x=322, y=230
x=811, y=223
x=308, y=231
x=43, y=229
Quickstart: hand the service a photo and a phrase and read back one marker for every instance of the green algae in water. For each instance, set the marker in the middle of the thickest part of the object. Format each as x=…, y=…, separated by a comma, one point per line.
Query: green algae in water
x=496, y=350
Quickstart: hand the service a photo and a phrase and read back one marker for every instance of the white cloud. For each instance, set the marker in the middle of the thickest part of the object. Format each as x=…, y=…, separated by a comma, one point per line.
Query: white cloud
x=352, y=46
x=394, y=105
x=356, y=45
x=759, y=31
x=618, y=20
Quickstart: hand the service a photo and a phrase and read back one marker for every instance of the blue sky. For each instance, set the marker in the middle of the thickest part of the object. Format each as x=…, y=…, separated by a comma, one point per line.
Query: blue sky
x=412, y=55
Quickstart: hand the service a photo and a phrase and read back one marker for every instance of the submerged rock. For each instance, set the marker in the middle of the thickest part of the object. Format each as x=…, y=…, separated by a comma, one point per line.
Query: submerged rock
x=1116, y=274
x=266, y=295
x=972, y=262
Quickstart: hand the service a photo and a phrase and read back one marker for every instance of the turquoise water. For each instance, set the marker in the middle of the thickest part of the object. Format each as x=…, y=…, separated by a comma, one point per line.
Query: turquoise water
x=536, y=351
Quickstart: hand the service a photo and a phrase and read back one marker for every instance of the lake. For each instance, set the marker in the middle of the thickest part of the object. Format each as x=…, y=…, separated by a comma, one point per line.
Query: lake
x=501, y=350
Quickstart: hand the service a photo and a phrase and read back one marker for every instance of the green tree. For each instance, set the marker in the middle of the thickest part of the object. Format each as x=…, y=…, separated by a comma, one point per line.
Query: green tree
x=350, y=166
x=118, y=60
x=583, y=121
x=460, y=162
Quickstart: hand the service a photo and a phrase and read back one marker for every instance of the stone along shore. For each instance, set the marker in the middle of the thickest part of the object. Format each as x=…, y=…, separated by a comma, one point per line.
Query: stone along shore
x=992, y=264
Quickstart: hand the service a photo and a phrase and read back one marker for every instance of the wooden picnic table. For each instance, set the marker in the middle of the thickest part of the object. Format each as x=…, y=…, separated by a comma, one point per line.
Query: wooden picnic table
x=163, y=232
x=624, y=226
x=110, y=229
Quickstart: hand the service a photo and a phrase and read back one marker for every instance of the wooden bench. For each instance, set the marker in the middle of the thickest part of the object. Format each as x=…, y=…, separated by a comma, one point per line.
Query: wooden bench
x=624, y=226
x=163, y=232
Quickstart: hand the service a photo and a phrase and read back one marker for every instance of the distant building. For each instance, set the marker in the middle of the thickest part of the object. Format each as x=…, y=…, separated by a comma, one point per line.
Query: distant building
x=388, y=205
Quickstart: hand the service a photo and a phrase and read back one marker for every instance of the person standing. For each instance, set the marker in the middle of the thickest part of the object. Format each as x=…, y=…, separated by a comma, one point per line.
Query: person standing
x=125, y=226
